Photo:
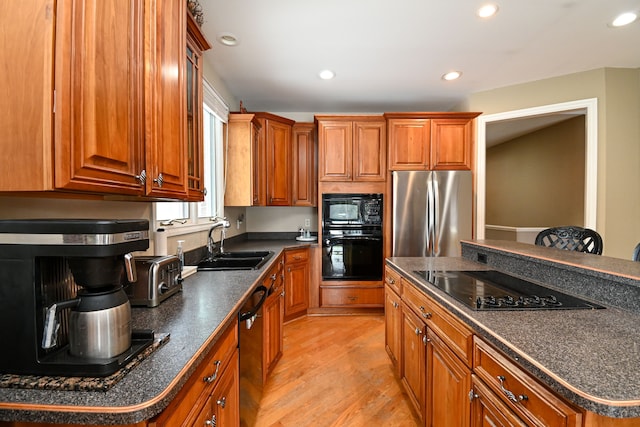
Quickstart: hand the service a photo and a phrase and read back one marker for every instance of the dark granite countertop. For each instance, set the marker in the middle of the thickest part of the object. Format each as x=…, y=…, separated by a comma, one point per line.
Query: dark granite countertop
x=591, y=357
x=194, y=318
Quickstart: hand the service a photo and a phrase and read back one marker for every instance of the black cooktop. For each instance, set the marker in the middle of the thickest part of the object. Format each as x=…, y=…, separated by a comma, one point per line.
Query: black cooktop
x=494, y=290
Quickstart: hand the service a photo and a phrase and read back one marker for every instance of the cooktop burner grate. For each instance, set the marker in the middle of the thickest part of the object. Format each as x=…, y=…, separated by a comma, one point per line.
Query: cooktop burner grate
x=494, y=290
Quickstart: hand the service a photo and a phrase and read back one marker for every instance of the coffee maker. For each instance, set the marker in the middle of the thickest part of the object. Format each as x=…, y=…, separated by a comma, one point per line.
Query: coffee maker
x=63, y=309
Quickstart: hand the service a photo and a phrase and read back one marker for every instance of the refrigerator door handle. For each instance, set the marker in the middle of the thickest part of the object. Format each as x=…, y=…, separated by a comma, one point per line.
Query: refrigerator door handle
x=436, y=215
x=431, y=220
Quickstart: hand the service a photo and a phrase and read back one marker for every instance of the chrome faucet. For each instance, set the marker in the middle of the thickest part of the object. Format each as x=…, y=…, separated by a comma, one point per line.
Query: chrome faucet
x=223, y=224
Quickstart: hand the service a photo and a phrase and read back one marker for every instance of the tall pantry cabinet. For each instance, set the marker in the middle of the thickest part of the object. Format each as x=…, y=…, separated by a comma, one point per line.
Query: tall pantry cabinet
x=95, y=105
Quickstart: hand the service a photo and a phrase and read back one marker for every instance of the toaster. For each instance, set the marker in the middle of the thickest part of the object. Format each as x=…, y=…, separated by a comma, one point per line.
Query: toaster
x=158, y=278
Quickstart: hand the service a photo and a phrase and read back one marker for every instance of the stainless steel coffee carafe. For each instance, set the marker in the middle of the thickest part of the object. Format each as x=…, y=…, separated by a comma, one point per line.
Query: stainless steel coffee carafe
x=100, y=326
x=100, y=316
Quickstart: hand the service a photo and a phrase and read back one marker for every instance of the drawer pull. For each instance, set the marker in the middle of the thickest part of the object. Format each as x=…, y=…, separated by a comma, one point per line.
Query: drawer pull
x=395, y=304
x=213, y=377
x=425, y=314
x=212, y=422
x=510, y=395
x=222, y=402
x=391, y=281
x=418, y=331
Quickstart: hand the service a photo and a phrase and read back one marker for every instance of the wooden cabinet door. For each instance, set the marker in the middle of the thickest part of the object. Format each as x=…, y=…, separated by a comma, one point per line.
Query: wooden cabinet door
x=335, y=142
x=99, y=105
x=304, y=179
x=448, y=385
x=369, y=151
x=409, y=144
x=273, y=311
x=26, y=94
x=258, y=166
x=166, y=149
x=393, y=327
x=296, y=289
x=225, y=397
x=414, y=362
x=196, y=44
x=451, y=144
x=278, y=172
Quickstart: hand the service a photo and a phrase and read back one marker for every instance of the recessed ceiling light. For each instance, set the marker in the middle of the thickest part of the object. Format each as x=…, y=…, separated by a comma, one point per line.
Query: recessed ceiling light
x=327, y=74
x=452, y=75
x=488, y=10
x=228, y=39
x=624, y=19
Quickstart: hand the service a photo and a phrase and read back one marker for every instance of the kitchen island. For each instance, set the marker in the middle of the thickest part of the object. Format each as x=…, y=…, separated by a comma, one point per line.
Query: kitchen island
x=195, y=318
x=589, y=358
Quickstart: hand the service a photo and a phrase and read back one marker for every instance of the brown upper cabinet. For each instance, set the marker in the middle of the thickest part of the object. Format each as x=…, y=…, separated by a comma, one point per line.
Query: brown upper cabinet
x=97, y=112
x=259, y=160
x=244, y=163
x=276, y=132
x=196, y=44
x=351, y=148
x=305, y=175
x=431, y=141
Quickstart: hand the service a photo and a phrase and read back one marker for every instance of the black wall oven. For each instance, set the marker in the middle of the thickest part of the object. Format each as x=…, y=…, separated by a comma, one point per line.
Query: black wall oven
x=352, y=237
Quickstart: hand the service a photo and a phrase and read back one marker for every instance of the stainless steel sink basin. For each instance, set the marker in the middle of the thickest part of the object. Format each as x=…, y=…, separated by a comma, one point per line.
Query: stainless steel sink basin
x=244, y=260
x=245, y=254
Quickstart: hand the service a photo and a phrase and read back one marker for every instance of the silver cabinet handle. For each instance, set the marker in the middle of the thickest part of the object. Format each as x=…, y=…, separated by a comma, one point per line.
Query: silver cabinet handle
x=425, y=314
x=222, y=402
x=213, y=377
x=159, y=180
x=510, y=395
x=142, y=178
x=212, y=422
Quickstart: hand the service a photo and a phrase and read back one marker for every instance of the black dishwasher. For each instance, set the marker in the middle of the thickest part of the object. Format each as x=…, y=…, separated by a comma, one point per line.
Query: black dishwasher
x=251, y=341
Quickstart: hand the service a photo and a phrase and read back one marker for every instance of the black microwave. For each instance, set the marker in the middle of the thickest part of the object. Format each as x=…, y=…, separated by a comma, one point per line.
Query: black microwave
x=351, y=209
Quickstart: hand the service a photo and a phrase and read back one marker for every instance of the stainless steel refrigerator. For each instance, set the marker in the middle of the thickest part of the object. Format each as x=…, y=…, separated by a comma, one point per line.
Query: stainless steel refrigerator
x=432, y=212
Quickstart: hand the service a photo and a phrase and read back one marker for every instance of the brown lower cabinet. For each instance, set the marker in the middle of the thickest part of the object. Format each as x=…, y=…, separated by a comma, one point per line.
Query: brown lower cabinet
x=448, y=384
x=273, y=312
x=212, y=393
x=456, y=379
x=297, y=275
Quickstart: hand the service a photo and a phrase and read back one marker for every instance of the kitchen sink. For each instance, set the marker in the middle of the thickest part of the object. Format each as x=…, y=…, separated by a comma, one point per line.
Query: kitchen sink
x=245, y=254
x=242, y=260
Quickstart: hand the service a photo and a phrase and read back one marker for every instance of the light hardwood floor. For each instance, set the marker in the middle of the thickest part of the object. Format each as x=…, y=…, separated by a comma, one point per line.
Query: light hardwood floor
x=334, y=372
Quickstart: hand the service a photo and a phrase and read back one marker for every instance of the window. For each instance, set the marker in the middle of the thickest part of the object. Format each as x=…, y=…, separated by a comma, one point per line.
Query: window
x=214, y=118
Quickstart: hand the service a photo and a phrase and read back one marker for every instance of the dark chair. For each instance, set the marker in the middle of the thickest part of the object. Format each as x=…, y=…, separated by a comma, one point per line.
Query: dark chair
x=571, y=238
x=636, y=253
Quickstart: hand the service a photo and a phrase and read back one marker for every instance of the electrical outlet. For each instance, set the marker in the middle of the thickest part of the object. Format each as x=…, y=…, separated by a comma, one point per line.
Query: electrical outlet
x=307, y=222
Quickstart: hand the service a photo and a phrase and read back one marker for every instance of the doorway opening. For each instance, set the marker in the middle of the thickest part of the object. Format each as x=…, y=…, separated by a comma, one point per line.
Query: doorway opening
x=588, y=107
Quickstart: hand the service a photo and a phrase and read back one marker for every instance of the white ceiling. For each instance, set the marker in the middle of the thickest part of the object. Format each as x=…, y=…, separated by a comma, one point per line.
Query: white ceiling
x=390, y=55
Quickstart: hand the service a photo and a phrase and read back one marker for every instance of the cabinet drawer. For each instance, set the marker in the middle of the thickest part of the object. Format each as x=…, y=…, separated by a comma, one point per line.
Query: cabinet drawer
x=392, y=278
x=457, y=336
x=296, y=255
x=520, y=391
x=351, y=296
x=202, y=382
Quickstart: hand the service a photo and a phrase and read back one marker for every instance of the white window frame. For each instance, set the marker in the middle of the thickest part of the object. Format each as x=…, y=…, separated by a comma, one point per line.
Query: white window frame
x=213, y=105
